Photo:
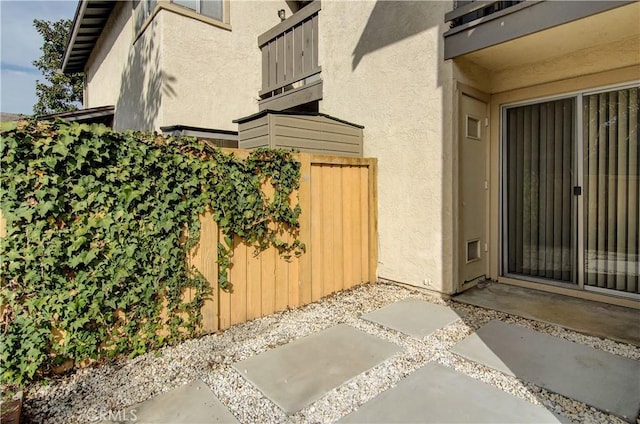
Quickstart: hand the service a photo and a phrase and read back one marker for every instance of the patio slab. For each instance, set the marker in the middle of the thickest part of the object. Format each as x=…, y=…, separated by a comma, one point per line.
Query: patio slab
x=414, y=317
x=585, y=316
x=599, y=379
x=300, y=372
x=191, y=403
x=437, y=394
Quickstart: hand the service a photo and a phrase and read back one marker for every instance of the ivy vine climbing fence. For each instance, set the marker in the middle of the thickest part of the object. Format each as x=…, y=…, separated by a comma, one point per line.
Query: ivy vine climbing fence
x=117, y=243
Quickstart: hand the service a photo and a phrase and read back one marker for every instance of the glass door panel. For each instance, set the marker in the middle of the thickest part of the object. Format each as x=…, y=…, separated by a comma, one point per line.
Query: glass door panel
x=611, y=190
x=539, y=206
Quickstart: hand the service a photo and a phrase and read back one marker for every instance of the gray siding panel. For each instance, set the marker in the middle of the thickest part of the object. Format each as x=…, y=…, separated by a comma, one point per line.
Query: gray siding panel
x=306, y=133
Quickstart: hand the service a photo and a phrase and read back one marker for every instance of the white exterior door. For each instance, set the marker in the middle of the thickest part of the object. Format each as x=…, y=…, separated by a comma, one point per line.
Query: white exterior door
x=474, y=192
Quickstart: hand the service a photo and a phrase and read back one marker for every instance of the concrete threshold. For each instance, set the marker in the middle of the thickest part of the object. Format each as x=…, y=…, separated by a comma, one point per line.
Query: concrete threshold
x=584, y=316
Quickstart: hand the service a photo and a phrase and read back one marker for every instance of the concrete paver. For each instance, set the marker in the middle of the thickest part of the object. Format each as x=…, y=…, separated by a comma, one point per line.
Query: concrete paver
x=600, y=379
x=437, y=394
x=417, y=318
x=191, y=403
x=296, y=374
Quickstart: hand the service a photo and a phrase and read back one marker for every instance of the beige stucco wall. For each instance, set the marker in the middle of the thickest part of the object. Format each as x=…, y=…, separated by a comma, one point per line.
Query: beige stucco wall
x=104, y=68
x=214, y=74
x=127, y=72
x=382, y=68
x=180, y=70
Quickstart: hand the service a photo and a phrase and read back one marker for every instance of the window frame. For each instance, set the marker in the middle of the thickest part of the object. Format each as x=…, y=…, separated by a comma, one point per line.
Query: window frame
x=177, y=9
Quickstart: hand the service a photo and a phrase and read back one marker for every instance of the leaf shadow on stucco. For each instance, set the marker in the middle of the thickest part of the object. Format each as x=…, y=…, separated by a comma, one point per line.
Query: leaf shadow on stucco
x=144, y=84
x=393, y=21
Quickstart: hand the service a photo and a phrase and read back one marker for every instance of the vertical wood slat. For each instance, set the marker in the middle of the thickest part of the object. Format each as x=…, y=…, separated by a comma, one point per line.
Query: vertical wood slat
x=268, y=277
x=254, y=284
x=314, y=42
x=317, y=200
x=281, y=282
x=280, y=65
x=224, y=300
x=297, y=50
x=203, y=257
x=338, y=223
x=304, y=199
x=265, y=65
x=328, y=245
x=368, y=269
x=273, y=80
x=289, y=56
x=307, y=46
x=238, y=278
x=347, y=234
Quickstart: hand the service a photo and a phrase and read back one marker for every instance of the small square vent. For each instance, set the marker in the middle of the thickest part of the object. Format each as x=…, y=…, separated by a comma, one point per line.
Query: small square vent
x=473, y=250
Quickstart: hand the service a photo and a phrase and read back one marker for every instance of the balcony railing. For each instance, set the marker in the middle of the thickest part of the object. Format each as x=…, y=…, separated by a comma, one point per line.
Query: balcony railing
x=469, y=10
x=290, y=58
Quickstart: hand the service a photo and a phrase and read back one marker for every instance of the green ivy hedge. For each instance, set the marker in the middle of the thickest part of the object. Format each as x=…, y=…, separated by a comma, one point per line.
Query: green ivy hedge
x=98, y=226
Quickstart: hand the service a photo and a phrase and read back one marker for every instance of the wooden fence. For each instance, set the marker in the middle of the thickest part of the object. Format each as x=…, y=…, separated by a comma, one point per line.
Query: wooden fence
x=338, y=225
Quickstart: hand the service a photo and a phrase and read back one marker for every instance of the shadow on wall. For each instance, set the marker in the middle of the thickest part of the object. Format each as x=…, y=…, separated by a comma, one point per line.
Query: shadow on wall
x=144, y=84
x=393, y=21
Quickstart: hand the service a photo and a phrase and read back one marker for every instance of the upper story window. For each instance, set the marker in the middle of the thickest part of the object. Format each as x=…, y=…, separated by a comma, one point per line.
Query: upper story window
x=210, y=8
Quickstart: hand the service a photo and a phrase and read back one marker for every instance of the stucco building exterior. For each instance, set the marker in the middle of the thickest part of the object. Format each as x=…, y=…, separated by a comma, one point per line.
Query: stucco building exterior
x=506, y=132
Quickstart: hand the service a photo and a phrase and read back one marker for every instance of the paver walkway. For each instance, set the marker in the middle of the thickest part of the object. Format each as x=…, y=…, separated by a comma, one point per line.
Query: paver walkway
x=304, y=370
x=415, y=317
x=600, y=379
x=296, y=374
x=438, y=394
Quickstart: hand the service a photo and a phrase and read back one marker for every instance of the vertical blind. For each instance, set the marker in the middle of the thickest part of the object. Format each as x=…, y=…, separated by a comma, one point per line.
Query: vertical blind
x=611, y=173
x=540, y=141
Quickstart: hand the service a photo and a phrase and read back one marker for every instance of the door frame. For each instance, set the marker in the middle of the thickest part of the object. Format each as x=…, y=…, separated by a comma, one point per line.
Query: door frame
x=462, y=89
x=578, y=180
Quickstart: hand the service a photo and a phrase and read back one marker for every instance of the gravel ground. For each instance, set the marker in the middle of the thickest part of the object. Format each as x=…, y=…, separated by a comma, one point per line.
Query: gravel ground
x=85, y=394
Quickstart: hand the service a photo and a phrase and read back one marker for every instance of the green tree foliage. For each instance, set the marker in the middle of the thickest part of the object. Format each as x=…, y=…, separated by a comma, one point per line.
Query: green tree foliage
x=98, y=226
x=59, y=92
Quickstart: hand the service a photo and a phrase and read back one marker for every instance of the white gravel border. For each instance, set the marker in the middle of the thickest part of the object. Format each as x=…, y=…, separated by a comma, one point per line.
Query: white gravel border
x=85, y=394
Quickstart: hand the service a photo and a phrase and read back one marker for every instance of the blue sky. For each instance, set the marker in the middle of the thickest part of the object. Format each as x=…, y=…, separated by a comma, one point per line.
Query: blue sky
x=20, y=46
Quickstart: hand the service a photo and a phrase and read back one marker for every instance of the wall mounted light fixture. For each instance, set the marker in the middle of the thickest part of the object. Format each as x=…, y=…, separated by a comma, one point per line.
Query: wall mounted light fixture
x=282, y=14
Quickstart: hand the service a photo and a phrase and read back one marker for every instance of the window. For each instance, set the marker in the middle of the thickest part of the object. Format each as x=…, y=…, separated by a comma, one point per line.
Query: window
x=210, y=8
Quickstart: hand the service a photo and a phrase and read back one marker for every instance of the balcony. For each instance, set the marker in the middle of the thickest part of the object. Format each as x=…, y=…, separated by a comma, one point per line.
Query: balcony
x=476, y=25
x=291, y=76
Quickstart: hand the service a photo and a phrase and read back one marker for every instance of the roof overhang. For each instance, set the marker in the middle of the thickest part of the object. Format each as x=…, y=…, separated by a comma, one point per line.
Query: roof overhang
x=101, y=114
x=88, y=23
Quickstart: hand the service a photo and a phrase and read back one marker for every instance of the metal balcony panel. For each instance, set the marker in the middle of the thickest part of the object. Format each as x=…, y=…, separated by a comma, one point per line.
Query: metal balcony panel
x=518, y=21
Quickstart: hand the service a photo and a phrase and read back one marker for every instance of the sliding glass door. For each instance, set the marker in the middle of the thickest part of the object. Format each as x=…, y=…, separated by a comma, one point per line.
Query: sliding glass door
x=569, y=161
x=611, y=210
x=539, y=203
